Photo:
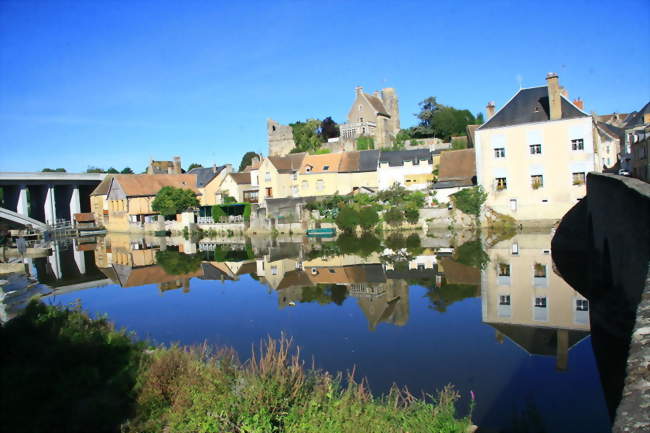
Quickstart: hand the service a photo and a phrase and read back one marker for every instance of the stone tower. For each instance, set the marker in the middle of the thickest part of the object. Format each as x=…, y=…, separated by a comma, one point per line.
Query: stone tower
x=280, y=138
x=389, y=98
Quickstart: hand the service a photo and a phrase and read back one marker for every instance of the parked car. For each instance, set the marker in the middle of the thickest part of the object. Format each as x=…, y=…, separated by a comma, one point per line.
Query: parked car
x=623, y=172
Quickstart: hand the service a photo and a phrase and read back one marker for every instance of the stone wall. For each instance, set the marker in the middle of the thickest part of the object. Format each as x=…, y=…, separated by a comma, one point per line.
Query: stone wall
x=280, y=138
x=602, y=248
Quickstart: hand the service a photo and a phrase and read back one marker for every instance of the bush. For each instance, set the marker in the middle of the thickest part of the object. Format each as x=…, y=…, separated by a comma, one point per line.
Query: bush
x=172, y=201
x=229, y=199
x=394, y=216
x=395, y=242
x=347, y=219
x=217, y=213
x=412, y=215
x=414, y=244
x=470, y=200
x=365, y=143
x=247, y=212
x=368, y=218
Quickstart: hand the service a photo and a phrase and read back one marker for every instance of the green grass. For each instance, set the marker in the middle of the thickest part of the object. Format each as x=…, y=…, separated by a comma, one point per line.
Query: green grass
x=62, y=371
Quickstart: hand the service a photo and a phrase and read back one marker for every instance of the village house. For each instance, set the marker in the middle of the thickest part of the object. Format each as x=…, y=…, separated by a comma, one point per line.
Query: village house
x=209, y=181
x=533, y=155
x=375, y=116
x=240, y=186
x=318, y=175
x=412, y=169
x=607, y=145
x=99, y=201
x=278, y=176
x=130, y=197
x=457, y=171
x=635, y=154
x=165, y=167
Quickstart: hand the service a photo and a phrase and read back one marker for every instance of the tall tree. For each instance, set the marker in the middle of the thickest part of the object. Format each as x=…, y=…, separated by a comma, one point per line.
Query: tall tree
x=306, y=135
x=194, y=165
x=112, y=170
x=246, y=160
x=329, y=129
x=127, y=170
x=172, y=201
x=94, y=170
x=437, y=120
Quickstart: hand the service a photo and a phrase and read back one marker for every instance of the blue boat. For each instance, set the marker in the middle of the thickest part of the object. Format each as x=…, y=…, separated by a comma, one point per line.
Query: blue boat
x=322, y=233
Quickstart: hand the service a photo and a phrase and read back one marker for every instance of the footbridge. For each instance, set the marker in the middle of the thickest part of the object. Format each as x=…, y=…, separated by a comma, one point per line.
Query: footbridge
x=42, y=199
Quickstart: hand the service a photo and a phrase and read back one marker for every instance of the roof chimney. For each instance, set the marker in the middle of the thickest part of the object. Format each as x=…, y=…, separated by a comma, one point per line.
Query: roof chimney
x=358, y=90
x=579, y=103
x=177, y=165
x=554, y=95
x=489, y=110
x=214, y=167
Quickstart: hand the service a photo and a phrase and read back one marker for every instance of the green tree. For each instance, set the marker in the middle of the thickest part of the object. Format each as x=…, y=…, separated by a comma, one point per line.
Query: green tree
x=437, y=120
x=217, y=213
x=470, y=200
x=472, y=254
x=227, y=199
x=479, y=119
x=412, y=214
x=368, y=217
x=329, y=129
x=172, y=201
x=306, y=135
x=127, y=170
x=365, y=143
x=47, y=170
x=347, y=219
x=93, y=169
x=195, y=165
x=112, y=170
x=414, y=244
x=395, y=242
x=246, y=160
x=394, y=195
x=394, y=216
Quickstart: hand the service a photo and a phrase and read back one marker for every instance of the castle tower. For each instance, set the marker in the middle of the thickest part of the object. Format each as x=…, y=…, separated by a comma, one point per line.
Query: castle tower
x=391, y=102
x=280, y=138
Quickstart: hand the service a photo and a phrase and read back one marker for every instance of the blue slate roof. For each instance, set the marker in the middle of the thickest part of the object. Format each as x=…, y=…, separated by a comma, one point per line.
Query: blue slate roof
x=529, y=106
x=205, y=174
x=397, y=157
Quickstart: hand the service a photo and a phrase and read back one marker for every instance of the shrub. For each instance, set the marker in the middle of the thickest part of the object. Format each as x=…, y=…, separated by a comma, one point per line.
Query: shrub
x=412, y=215
x=470, y=200
x=365, y=143
x=247, y=212
x=347, y=219
x=394, y=216
x=172, y=201
x=229, y=199
x=368, y=218
x=414, y=244
x=217, y=213
x=395, y=242
x=416, y=198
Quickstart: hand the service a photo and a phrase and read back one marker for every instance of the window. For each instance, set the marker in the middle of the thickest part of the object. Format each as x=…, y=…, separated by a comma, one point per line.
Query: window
x=540, y=270
x=582, y=305
x=294, y=176
x=579, y=178
x=578, y=144
x=267, y=176
x=608, y=148
x=304, y=184
x=274, y=270
x=500, y=152
x=504, y=300
x=540, y=301
x=294, y=190
x=361, y=119
x=535, y=149
x=504, y=270
x=320, y=185
x=326, y=167
x=501, y=183
x=537, y=181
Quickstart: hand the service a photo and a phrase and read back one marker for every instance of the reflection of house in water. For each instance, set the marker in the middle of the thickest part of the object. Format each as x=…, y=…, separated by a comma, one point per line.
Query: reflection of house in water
x=525, y=301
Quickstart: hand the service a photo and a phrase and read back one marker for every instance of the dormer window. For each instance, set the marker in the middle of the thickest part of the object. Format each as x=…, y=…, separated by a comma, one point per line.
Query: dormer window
x=536, y=110
x=308, y=168
x=326, y=167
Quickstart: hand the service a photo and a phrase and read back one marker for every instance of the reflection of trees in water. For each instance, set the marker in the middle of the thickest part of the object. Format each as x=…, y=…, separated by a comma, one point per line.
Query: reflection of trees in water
x=324, y=294
x=472, y=254
x=176, y=263
x=444, y=296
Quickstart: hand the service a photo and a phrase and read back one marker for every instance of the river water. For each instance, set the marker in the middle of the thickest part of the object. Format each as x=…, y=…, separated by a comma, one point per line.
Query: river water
x=489, y=316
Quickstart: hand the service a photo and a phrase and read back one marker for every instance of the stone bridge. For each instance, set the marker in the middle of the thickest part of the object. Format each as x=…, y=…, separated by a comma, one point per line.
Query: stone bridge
x=602, y=248
x=42, y=199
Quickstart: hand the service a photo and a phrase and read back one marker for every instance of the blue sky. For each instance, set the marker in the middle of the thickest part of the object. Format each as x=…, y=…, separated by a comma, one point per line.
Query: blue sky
x=113, y=83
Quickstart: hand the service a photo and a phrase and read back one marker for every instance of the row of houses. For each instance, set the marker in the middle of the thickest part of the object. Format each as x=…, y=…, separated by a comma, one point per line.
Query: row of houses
x=531, y=156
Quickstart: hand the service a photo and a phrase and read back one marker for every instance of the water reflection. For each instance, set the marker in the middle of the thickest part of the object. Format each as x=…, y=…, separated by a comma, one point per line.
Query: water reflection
x=492, y=317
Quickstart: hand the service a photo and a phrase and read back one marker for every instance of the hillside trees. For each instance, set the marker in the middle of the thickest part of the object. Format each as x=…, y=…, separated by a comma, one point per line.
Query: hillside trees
x=172, y=201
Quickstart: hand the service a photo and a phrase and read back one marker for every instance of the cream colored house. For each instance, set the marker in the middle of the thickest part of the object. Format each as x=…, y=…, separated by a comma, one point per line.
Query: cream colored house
x=130, y=197
x=209, y=181
x=607, y=145
x=240, y=187
x=277, y=176
x=533, y=155
x=525, y=301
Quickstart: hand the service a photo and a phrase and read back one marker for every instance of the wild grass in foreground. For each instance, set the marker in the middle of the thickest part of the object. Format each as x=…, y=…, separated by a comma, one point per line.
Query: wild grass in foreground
x=105, y=382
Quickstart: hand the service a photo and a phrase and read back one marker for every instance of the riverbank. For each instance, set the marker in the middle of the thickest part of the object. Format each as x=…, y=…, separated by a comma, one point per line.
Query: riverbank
x=86, y=376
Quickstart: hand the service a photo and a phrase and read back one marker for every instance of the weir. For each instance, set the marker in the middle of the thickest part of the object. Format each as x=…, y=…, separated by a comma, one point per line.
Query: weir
x=602, y=248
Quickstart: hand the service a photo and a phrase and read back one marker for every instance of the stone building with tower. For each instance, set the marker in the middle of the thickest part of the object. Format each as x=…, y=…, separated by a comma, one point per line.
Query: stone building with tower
x=165, y=167
x=280, y=138
x=375, y=116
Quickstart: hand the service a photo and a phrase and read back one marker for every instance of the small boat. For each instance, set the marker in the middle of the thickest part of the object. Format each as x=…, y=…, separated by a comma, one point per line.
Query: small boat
x=322, y=232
